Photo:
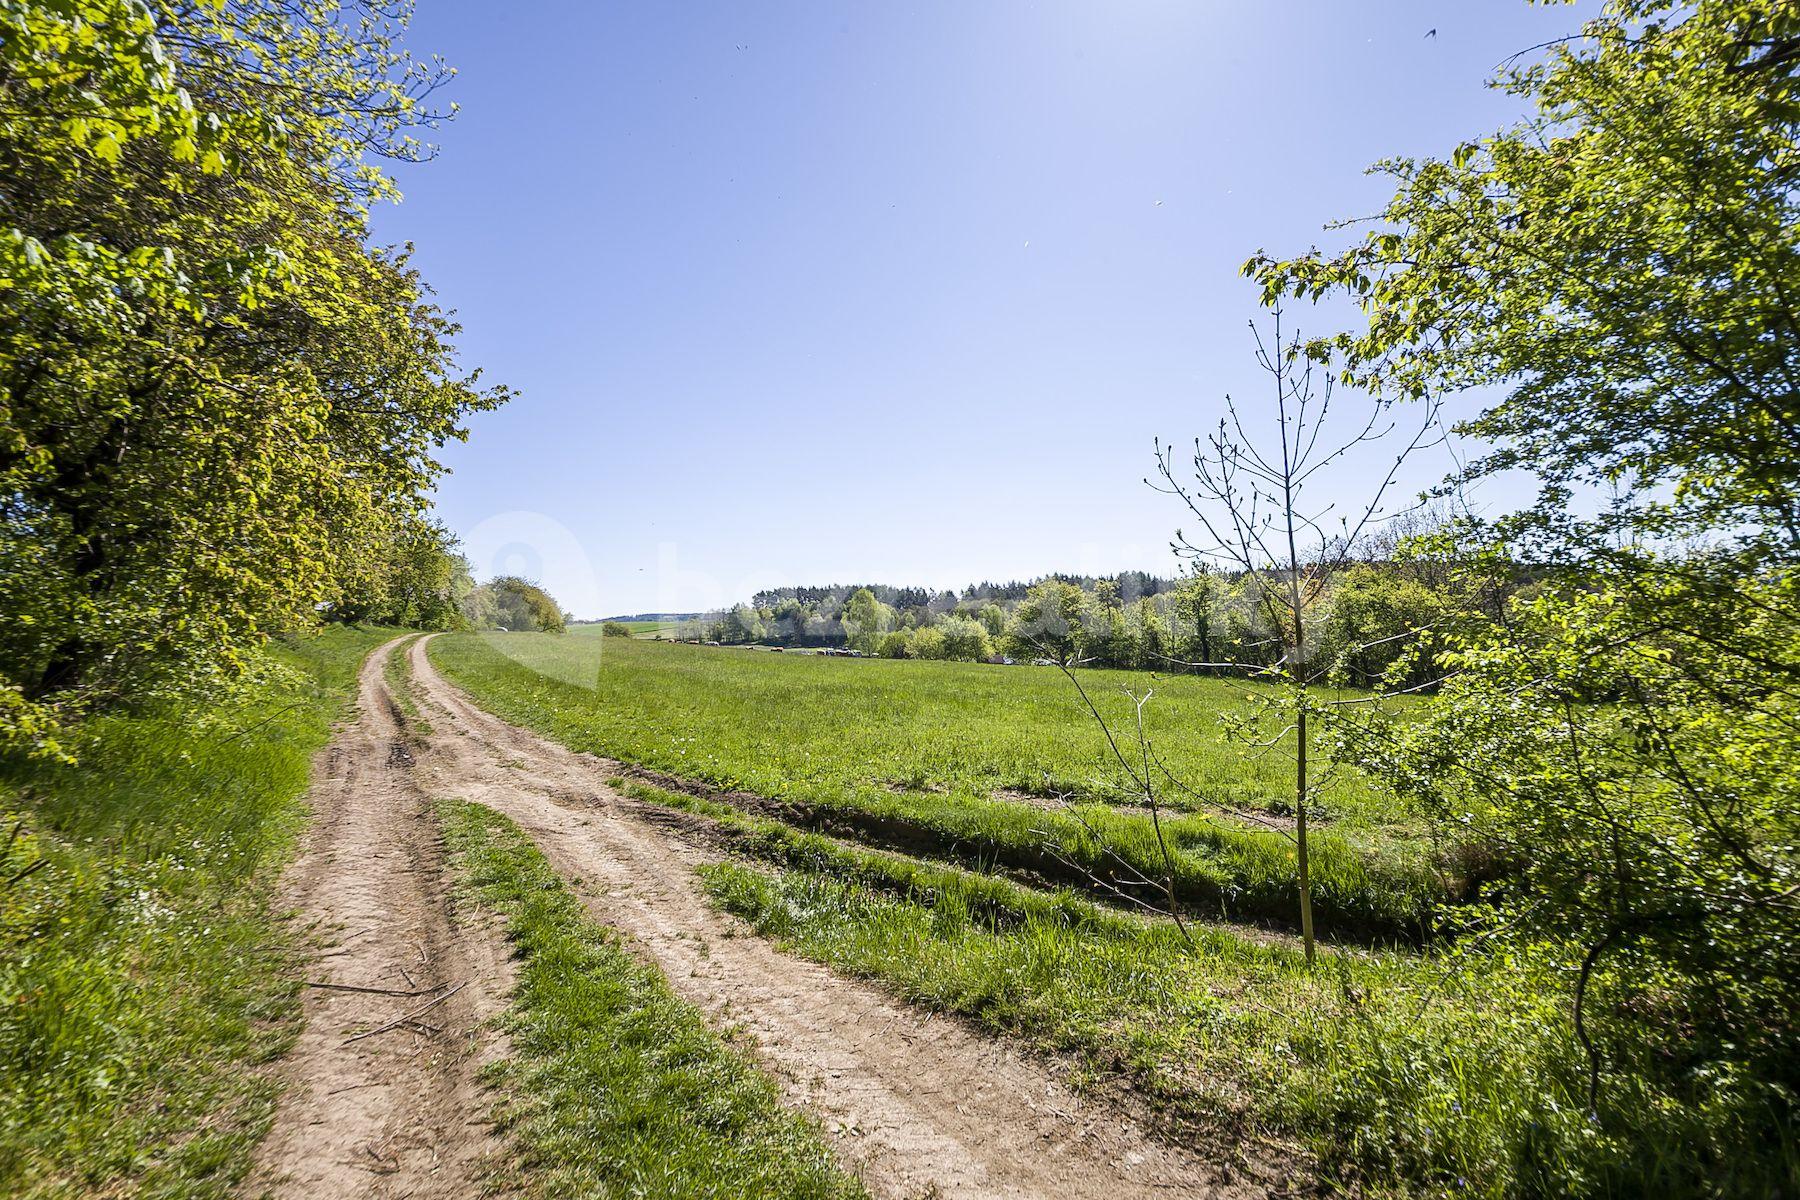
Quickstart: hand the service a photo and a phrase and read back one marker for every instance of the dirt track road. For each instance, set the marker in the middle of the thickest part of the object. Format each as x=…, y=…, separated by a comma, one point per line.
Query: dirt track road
x=398, y=1113
x=917, y=1106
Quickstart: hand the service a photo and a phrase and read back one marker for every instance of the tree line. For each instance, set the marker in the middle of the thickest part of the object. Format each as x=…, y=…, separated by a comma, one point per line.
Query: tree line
x=1372, y=615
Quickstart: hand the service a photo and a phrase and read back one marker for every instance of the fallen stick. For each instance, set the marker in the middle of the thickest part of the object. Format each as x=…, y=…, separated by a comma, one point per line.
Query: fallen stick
x=405, y=1017
x=376, y=991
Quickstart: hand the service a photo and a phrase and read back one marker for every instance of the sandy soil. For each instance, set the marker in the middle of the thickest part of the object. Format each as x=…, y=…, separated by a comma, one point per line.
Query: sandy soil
x=397, y=1113
x=917, y=1106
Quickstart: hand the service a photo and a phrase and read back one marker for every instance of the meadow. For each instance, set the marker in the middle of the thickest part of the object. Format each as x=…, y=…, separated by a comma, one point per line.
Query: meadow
x=1397, y=1071
x=992, y=766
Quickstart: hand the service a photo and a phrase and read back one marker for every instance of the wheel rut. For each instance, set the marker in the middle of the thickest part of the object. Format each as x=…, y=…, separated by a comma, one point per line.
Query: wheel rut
x=917, y=1105
x=398, y=1112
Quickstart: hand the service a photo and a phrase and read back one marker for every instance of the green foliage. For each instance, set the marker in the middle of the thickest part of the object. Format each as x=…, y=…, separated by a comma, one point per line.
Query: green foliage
x=141, y=973
x=621, y=1088
x=418, y=582
x=1649, y=205
x=865, y=619
x=513, y=604
x=963, y=639
x=926, y=642
x=742, y=624
x=1620, y=736
x=1614, y=724
x=1048, y=624
x=897, y=644
x=217, y=403
x=1376, y=617
x=615, y=629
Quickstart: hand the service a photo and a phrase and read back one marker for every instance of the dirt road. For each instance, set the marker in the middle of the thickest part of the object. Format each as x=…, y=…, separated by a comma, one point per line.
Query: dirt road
x=398, y=1112
x=382, y=1095
x=916, y=1106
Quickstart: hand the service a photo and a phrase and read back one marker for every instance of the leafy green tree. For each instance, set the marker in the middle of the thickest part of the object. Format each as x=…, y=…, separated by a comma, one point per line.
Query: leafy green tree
x=1197, y=601
x=1625, y=265
x=741, y=624
x=791, y=618
x=1375, y=618
x=219, y=403
x=514, y=604
x=1648, y=206
x=864, y=620
x=1149, y=633
x=927, y=641
x=1048, y=623
x=615, y=629
x=993, y=619
x=963, y=638
x=416, y=579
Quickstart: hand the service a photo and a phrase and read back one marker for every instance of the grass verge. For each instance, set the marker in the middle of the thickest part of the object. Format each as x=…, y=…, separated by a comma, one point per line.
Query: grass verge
x=140, y=970
x=618, y=1087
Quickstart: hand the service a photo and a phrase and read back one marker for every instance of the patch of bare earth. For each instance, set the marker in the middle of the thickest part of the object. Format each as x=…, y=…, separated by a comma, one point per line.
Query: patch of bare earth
x=916, y=1105
x=381, y=1096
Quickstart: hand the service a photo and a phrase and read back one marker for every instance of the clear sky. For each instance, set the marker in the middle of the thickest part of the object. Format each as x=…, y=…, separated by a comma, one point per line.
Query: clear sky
x=812, y=293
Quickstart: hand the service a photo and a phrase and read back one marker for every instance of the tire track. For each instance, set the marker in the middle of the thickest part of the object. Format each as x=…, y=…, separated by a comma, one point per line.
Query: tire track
x=399, y=1112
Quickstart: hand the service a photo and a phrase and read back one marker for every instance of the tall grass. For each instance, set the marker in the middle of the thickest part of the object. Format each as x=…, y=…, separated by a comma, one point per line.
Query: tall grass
x=910, y=753
x=139, y=969
x=1420, y=1076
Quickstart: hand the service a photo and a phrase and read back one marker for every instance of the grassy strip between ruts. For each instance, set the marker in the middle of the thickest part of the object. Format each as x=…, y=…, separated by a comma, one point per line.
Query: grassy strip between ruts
x=1405, y=1074
x=745, y=720
x=140, y=970
x=398, y=673
x=615, y=1086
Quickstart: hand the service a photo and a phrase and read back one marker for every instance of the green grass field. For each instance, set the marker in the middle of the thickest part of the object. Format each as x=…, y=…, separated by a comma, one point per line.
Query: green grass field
x=945, y=757
x=140, y=972
x=1417, y=1073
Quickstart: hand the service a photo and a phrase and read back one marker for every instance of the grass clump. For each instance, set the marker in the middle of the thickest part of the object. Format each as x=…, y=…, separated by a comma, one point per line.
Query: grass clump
x=997, y=900
x=140, y=970
x=620, y=1088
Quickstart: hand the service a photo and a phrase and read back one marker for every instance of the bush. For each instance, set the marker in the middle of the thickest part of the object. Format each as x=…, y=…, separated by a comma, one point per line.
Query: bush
x=927, y=643
x=964, y=639
x=513, y=603
x=615, y=629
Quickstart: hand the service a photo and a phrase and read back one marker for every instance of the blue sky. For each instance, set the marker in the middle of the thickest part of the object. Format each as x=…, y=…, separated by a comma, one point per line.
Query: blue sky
x=803, y=293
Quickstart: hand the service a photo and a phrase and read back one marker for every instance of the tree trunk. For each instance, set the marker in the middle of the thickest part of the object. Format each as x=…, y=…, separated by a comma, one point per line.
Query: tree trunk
x=1306, y=920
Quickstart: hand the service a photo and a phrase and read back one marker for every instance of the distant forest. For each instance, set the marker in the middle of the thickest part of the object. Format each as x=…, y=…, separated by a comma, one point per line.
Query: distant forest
x=1374, y=614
